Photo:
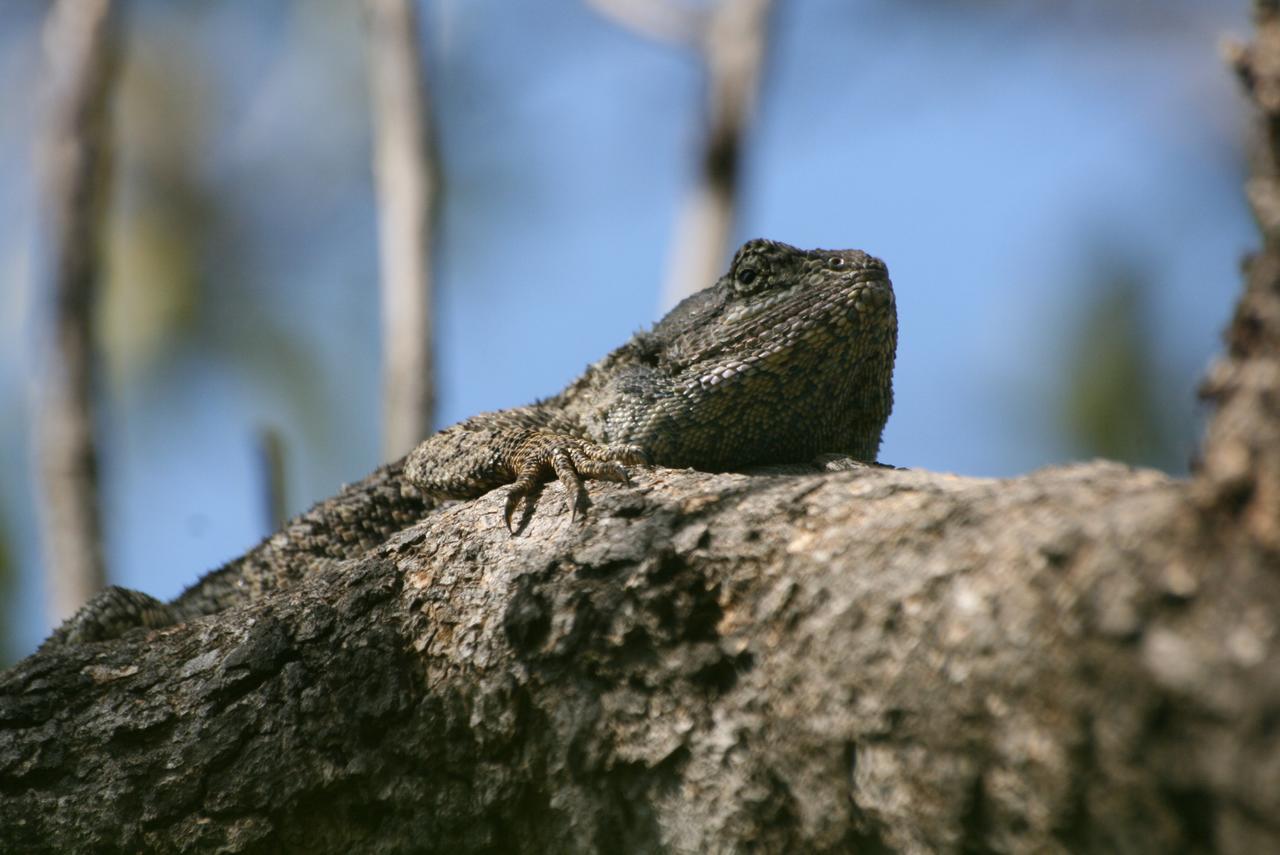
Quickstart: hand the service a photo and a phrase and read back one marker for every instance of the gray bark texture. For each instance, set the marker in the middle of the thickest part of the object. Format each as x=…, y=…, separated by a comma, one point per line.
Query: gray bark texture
x=866, y=660
x=1086, y=658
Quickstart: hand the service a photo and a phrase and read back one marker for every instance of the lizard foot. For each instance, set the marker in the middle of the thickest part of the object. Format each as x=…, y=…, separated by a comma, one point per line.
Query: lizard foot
x=570, y=459
x=111, y=613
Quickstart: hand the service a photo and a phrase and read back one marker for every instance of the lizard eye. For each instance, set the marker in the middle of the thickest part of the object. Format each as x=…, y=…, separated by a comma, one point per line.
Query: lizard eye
x=746, y=276
x=836, y=262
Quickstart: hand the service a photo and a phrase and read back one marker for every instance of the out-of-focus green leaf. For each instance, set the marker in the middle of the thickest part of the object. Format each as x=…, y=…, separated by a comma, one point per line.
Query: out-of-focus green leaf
x=176, y=293
x=1112, y=407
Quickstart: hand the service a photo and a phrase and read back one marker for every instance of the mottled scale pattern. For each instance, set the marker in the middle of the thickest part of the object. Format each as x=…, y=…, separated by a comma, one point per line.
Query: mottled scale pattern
x=788, y=356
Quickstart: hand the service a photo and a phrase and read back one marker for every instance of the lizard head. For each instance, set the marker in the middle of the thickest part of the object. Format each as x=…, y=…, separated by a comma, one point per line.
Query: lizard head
x=789, y=355
x=776, y=298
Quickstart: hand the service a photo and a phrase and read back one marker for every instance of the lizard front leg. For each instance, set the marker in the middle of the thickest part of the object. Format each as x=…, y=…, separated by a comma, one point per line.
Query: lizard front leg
x=538, y=455
x=517, y=447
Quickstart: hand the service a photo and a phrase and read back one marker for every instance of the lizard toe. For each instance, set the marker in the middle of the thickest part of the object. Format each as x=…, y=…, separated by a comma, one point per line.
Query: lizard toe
x=569, y=459
x=603, y=470
x=523, y=487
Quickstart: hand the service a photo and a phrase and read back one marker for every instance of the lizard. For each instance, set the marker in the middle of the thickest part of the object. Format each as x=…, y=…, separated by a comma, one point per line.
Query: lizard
x=788, y=355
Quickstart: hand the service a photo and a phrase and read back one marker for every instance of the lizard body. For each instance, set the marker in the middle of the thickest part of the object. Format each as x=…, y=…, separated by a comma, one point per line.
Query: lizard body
x=789, y=355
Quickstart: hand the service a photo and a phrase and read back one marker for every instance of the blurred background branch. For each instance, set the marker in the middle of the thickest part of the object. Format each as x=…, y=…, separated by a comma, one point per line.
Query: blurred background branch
x=406, y=178
x=732, y=40
x=663, y=20
x=80, y=45
x=270, y=449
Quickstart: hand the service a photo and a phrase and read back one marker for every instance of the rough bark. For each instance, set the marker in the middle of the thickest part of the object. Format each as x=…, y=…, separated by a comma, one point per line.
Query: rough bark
x=1241, y=472
x=803, y=662
x=1086, y=658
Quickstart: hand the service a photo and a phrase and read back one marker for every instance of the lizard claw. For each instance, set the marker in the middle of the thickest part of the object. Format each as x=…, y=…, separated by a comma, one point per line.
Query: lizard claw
x=570, y=460
x=513, y=498
x=521, y=489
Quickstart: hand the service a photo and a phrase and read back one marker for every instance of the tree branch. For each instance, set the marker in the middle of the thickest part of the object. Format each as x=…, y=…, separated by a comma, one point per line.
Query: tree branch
x=80, y=43
x=797, y=662
x=668, y=21
x=731, y=38
x=407, y=179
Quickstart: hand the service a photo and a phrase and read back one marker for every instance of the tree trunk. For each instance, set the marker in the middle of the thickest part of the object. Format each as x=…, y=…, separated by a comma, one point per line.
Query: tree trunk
x=1086, y=658
x=74, y=160
x=406, y=174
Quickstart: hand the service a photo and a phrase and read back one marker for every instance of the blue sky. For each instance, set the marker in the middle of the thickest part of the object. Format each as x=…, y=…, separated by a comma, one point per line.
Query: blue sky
x=991, y=153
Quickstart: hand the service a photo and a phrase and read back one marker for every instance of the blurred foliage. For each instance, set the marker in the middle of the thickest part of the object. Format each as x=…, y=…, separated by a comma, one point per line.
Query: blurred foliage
x=1112, y=406
x=185, y=286
x=161, y=213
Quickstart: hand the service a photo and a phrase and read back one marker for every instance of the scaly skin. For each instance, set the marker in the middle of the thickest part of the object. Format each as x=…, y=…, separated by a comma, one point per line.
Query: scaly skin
x=789, y=355
x=794, y=362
